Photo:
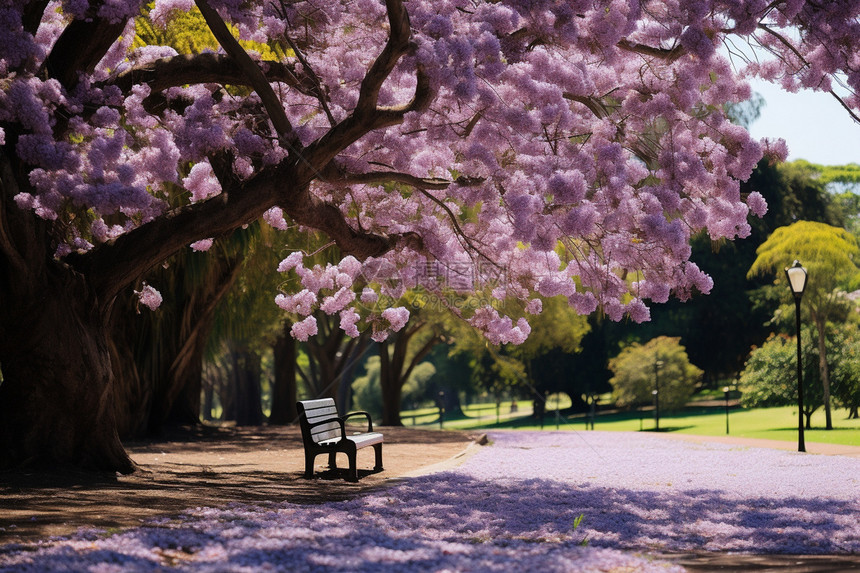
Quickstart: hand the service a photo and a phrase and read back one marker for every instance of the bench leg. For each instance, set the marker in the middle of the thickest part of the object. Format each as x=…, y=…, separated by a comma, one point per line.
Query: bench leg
x=377, y=449
x=309, y=465
x=332, y=460
x=353, y=465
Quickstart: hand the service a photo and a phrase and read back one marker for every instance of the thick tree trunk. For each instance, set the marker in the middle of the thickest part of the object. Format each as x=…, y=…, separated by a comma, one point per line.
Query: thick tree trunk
x=132, y=394
x=56, y=406
x=285, y=391
x=394, y=369
x=245, y=407
x=390, y=384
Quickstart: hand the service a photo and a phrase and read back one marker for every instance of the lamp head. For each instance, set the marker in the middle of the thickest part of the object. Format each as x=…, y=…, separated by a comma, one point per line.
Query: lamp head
x=796, y=275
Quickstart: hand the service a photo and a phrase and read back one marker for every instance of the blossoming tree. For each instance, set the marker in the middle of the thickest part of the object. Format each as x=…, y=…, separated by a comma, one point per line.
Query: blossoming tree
x=552, y=147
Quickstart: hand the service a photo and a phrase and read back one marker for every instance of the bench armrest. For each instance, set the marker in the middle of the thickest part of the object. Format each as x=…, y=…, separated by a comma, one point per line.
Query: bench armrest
x=360, y=413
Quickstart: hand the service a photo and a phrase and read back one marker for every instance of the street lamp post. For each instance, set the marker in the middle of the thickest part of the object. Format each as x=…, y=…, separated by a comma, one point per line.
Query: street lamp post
x=797, y=276
x=726, y=393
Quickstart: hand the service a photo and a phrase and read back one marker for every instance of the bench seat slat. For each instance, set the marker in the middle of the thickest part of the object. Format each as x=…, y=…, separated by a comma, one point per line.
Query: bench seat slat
x=360, y=440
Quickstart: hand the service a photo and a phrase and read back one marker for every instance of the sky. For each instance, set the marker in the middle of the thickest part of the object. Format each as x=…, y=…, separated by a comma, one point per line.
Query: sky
x=814, y=125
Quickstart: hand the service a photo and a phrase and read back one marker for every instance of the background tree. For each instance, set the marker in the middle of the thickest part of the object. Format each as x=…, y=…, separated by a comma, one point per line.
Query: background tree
x=407, y=132
x=660, y=364
x=765, y=382
x=399, y=356
x=158, y=357
x=368, y=390
x=739, y=308
x=832, y=258
x=844, y=345
x=557, y=333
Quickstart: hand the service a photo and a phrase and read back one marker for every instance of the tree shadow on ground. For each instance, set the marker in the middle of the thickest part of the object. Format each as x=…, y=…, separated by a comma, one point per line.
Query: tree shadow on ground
x=202, y=467
x=456, y=522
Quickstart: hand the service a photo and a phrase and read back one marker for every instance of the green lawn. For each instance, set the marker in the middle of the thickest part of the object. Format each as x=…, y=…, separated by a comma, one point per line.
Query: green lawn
x=765, y=423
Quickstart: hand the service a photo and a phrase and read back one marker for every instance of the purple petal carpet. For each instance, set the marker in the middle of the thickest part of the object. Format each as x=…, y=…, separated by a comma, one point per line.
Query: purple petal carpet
x=552, y=501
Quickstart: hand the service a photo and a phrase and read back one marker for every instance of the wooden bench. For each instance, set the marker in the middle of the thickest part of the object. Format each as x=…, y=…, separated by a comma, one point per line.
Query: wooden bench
x=324, y=432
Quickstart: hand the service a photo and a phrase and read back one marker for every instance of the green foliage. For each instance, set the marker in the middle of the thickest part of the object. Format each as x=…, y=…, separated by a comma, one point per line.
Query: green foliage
x=827, y=174
x=557, y=326
x=844, y=353
x=577, y=522
x=367, y=390
x=805, y=196
x=770, y=376
x=830, y=255
x=188, y=33
x=660, y=363
x=558, y=330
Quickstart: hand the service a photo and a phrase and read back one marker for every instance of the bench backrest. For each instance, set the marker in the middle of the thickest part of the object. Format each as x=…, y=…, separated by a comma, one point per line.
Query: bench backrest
x=312, y=411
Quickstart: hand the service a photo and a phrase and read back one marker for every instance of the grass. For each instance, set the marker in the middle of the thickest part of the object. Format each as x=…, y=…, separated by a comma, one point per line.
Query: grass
x=765, y=423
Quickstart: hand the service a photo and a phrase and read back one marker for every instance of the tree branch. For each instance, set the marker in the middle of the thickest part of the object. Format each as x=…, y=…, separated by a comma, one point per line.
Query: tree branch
x=398, y=44
x=255, y=76
x=800, y=57
x=32, y=14
x=116, y=264
x=669, y=55
x=80, y=47
x=204, y=68
x=332, y=175
x=306, y=209
x=367, y=115
x=597, y=107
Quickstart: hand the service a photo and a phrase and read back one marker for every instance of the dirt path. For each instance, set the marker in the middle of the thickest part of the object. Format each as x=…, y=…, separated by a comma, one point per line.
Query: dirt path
x=207, y=467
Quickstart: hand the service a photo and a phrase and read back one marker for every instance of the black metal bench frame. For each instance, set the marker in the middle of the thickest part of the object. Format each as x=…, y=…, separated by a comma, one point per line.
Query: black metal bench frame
x=324, y=432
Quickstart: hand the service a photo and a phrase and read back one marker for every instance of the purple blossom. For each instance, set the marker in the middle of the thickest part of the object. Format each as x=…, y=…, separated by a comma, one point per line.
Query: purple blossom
x=294, y=259
x=337, y=301
x=304, y=329
x=275, y=218
x=149, y=297
x=526, y=501
x=348, y=320
x=396, y=317
x=757, y=204
x=301, y=303
x=201, y=182
x=202, y=245
x=369, y=296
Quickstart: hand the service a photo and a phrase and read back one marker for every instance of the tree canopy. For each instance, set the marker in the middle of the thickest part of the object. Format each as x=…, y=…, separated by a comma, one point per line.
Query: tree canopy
x=832, y=258
x=660, y=365
x=511, y=148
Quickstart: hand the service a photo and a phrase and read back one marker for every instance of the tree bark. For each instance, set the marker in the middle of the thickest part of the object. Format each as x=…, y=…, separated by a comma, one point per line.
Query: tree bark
x=56, y=407
x=285, y=391
x=392, y=389
x=245, y=406
x=394, y=369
